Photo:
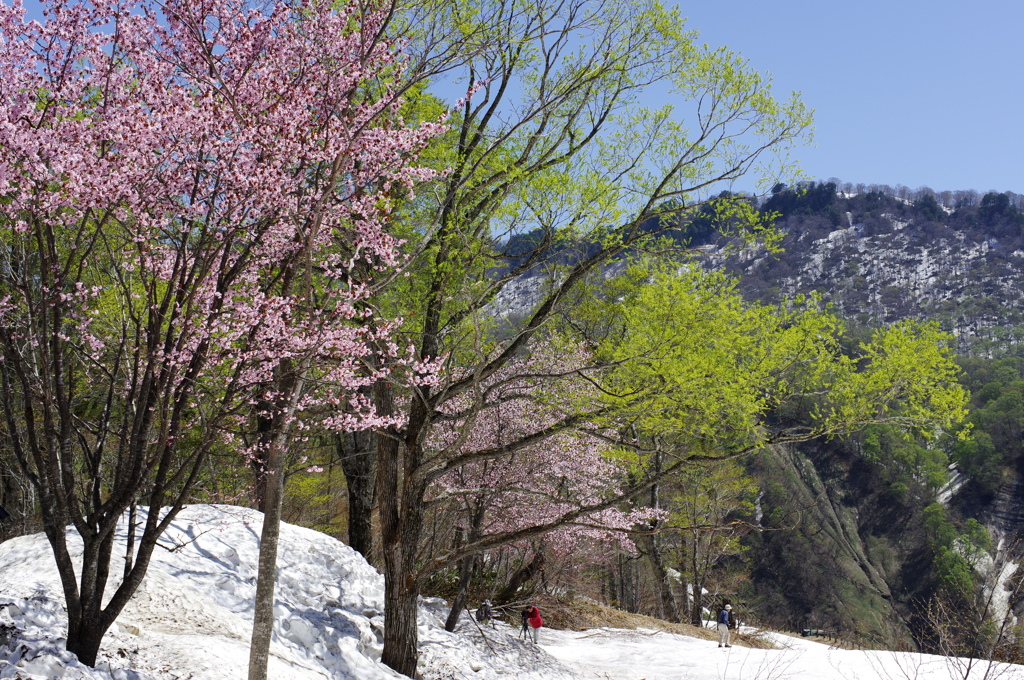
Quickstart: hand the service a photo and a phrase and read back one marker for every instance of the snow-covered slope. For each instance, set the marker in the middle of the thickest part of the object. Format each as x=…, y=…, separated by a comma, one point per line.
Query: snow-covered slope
x=192, y=618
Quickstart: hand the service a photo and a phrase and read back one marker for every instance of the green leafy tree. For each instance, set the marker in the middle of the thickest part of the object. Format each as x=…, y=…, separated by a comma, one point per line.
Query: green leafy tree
x=559, y=140
x=704, y=377
x=910, y=465
x=955, y=553
x=693, y=362
x=708, y=513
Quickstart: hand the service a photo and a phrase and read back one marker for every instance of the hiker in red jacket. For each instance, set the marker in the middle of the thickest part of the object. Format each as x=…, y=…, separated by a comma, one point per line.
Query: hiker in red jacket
x=533, y=616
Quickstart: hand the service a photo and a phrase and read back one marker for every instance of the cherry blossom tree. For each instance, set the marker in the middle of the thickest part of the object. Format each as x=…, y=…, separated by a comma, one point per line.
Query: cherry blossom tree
x=551, y=469
x=194, y=198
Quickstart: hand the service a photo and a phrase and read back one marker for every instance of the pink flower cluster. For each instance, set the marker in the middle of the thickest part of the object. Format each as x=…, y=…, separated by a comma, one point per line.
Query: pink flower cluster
x=221, y=174
x=536, y=484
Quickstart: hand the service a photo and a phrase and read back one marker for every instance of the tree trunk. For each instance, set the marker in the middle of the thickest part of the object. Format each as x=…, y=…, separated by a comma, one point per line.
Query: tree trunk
x=697, y=608
x=466, y=570
x=462, y=596
x=263, y=606
x=662, y=580
x=88, y=620
x=401, y=519
x=259, y=462
x=401, y=636
x=609, y=585
x=356, y=452
x=628, y=599
x=17, y=498
x=86, y=644
x=523, y=576
x=273, y=443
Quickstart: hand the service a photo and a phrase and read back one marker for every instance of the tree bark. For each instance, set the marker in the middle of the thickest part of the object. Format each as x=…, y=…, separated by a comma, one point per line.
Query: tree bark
x=356, y=453
x=86, y=643
x=401, y=519
x=260, y=462
x=462, y=596
x=697, y=608
x=627, y=584
x=523, y=576
x=662, y=580
x=263, y=606
x=466, y=568
x=273, y=441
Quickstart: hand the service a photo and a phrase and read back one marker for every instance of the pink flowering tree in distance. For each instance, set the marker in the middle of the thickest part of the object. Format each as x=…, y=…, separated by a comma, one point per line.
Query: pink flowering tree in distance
x=523, y=464
x=193, y=199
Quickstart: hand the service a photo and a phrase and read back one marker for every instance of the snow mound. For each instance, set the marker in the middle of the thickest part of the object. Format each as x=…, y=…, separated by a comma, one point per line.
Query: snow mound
x=192, y=616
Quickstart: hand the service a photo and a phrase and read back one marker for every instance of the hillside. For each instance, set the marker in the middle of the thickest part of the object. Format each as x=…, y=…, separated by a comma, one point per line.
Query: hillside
x=862, y=547
x=878, y=258
x=854, y=533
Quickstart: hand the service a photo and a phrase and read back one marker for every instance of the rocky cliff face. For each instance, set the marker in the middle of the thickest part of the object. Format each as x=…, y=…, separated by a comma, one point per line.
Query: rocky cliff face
x=877, y=266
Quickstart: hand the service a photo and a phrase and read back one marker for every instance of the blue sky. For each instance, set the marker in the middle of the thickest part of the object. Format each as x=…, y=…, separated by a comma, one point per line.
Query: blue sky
x=909, y=92
x=913, y=92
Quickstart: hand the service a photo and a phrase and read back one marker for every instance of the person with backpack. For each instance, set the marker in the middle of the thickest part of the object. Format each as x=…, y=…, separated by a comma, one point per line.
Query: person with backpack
x=531, y=617
x=484, y=613
x=725, y=623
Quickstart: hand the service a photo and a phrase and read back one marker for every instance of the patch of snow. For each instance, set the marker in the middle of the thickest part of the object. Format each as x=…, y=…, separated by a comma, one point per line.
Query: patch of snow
x=192, y=616
x=947, y=492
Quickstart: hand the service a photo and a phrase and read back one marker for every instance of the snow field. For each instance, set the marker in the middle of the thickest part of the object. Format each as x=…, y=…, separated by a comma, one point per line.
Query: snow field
x=192, y=618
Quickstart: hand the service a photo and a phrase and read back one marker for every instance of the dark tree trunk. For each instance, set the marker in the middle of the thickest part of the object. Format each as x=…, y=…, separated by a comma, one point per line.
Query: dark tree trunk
x=627, y=584
x=652, y=545
x=259, y=463
x=525, y=574
x=356, y=451
x=609, y=585
x=662, y=580
x=17, y=498
x=466, y=568
x=88, y=621
x=697, y=606
x=129, y=551
x=401, y=636
x=462, y=596
x=86, y=643
x=401, y=519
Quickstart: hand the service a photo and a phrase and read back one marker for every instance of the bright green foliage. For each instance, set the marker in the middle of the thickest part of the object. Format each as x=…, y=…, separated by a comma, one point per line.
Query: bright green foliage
x=975, y=541
x=952, y=570
x=904, y=376
x=940, y=529
x=693, y=363
x=906, y=463
x=955, y=554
